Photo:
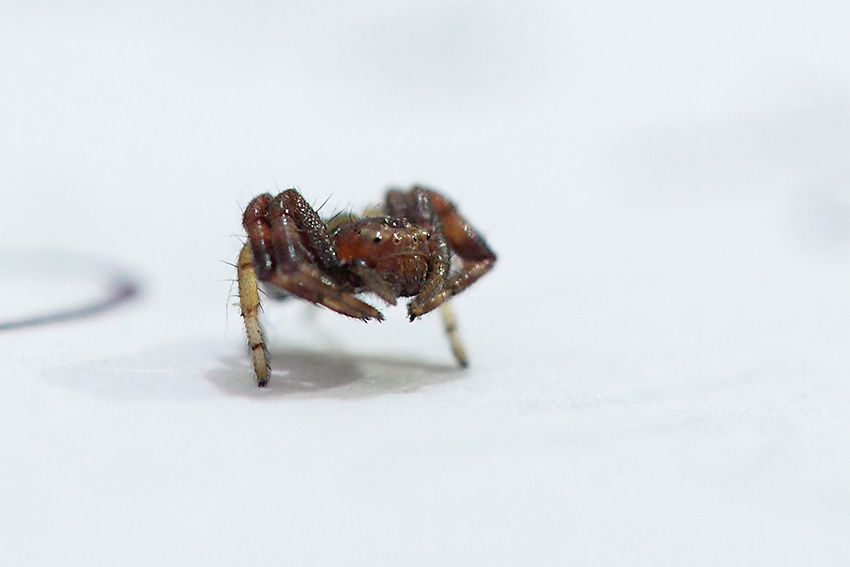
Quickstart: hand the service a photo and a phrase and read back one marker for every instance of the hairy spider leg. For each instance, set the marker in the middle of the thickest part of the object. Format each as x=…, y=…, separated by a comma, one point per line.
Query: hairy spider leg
x=464, y=241
x=428, y=208
x=454, y=235
x=249, y=303
x=450, y=327
x=292, y=251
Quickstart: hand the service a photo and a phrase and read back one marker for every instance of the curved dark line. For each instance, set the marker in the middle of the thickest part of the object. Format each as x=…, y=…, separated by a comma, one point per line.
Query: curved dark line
x=123, y=288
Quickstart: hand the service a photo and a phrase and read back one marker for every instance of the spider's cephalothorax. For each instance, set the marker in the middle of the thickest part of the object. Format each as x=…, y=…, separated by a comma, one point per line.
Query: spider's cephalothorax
x=406, y=252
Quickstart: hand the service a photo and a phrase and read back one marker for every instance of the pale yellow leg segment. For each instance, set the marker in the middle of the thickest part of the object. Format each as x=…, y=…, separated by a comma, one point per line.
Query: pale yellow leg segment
x=249, y=302
x=450, y=325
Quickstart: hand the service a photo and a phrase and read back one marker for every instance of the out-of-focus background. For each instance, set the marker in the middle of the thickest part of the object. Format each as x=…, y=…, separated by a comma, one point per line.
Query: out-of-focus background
x=660, y=365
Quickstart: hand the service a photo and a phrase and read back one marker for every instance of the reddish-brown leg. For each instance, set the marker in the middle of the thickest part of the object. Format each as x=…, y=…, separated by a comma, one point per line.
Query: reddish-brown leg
x=292, y=251
x=429, y=208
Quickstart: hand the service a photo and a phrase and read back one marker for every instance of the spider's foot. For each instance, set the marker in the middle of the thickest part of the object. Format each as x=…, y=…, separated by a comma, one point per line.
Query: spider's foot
x=420, y=306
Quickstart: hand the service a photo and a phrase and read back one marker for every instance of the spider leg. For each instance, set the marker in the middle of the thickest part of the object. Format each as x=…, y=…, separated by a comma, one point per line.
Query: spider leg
x=450, y=234
x=450, y=326
x=469, y=274
x=249, y=303
x=310, y=284
x=466, y=242
x=432, y=293
x=292, y=251
x=430, y=209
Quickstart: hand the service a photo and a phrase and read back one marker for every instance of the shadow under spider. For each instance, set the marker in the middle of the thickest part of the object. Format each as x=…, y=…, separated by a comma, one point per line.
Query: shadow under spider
x=302, y=372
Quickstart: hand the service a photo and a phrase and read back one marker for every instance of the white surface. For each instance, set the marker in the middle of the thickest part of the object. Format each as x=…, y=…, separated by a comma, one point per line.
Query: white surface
x=660, y=358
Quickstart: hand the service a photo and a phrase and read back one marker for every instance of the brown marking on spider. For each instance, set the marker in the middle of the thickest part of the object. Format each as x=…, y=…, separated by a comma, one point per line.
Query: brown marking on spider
x=419, y=247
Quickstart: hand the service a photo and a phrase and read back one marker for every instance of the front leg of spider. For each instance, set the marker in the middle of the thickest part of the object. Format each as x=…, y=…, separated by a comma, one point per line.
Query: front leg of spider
x=288, y=248
x=448, y=233
x=451, y=235
x=466, y=243
x=292, y=251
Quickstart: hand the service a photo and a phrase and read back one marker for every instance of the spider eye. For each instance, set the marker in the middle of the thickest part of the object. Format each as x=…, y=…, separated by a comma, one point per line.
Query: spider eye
x=428, y=236
x=377, y=239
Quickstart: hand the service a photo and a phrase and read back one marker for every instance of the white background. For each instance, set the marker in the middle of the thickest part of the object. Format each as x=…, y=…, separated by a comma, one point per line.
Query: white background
x=660, y=370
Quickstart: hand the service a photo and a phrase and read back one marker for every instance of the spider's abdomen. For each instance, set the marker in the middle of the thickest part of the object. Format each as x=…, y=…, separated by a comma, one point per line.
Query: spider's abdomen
x=396, y=250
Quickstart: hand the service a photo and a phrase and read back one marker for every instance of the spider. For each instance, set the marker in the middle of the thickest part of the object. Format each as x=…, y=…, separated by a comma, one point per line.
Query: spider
x=417, y=245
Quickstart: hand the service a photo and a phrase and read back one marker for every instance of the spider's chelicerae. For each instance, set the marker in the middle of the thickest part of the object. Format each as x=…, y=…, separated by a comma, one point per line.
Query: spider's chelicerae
x=417, y=245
